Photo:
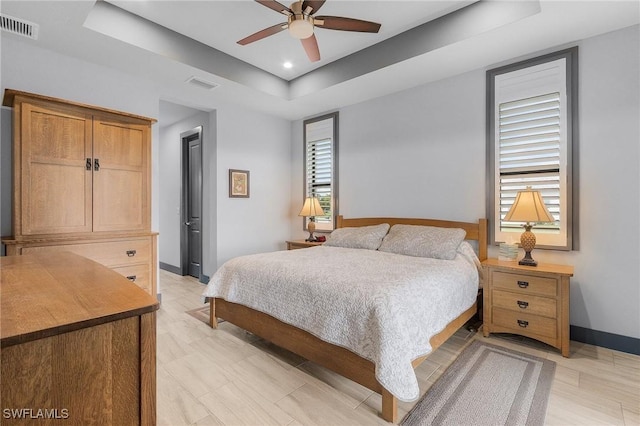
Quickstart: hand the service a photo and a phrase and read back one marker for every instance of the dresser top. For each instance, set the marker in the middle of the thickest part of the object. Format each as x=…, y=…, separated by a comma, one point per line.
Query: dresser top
x=46, y=295
x=541, y=268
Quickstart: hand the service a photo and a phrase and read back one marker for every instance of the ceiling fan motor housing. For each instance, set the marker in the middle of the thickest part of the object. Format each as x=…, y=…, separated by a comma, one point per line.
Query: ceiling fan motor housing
x=300, y=22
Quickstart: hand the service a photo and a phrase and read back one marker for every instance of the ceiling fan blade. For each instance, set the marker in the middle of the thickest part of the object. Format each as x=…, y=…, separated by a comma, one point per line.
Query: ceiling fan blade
x=274, y=5
x=310, y=45
x=314, y=4
x=346, y=24
x=263, y=33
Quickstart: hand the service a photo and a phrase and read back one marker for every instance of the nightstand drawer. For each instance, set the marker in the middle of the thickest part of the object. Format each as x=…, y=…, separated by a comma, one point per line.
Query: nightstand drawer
x=525, y=324
x=525, y=303
x=525, y=284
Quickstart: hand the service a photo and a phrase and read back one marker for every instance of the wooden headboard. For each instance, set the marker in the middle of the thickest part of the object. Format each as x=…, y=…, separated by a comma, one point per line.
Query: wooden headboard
x=476, y=231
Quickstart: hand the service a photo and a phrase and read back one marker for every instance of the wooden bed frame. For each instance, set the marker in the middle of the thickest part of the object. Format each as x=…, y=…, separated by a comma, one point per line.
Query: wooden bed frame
x=333, y=357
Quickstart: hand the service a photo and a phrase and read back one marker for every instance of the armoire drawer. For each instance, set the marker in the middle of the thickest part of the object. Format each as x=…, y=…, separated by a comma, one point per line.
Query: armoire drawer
x=110, y=253
x=526, y=284
x=138, y=274
x=526, y=303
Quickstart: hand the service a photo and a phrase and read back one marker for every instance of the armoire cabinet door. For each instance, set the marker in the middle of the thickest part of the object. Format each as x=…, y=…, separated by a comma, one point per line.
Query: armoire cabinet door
x=56, y=185
x=120, y=178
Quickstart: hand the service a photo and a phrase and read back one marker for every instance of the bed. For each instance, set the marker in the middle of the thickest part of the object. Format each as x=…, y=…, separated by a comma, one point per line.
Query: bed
x=250, y=292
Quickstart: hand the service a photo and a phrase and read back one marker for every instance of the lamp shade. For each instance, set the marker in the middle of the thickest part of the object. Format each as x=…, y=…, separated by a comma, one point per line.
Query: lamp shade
x=528, y=207
x=311, y=207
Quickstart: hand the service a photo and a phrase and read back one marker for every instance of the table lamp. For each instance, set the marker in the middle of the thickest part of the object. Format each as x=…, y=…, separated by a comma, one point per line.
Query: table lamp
x=311, y=209
x=528, y=207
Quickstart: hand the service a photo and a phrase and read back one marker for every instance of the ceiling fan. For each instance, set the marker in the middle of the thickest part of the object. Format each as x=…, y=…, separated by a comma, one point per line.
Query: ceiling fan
x=301, y=22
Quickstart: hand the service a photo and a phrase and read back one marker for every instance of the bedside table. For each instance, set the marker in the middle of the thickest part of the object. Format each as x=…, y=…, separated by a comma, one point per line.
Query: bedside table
x=529, y=301
x=300, y=244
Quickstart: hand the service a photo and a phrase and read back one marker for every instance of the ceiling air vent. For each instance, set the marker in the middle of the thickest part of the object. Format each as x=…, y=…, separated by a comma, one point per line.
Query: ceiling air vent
x=19, y=26
x=203, y=84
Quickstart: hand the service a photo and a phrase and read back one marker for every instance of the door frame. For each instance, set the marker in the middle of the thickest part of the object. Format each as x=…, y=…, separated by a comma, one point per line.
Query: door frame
x=184, y=247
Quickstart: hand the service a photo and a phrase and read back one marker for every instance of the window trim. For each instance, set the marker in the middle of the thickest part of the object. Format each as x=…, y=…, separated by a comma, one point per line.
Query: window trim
x=334, y=159
x=571, y=61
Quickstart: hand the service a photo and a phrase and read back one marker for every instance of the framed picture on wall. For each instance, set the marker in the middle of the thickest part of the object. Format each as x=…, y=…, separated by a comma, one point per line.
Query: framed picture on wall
x=238, y=183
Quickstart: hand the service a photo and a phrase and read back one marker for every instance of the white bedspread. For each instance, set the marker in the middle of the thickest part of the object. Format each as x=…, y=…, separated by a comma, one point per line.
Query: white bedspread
x=384, y=307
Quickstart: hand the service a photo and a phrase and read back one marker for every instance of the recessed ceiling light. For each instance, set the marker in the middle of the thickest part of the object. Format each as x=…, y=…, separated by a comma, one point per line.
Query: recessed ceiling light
x=287, y=65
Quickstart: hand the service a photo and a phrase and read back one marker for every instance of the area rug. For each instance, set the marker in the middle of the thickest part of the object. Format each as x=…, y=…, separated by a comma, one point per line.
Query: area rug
x=487, y=385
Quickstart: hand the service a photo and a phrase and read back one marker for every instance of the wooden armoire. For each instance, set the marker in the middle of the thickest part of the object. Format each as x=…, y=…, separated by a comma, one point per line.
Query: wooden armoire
x=82, y=183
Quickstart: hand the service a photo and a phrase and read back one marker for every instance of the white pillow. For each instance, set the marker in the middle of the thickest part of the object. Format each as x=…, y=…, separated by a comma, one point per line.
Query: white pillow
x=423, y=241
x=362, y=237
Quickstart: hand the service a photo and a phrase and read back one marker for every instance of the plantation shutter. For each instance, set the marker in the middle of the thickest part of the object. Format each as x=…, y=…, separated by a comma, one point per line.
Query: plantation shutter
x=530, y=154
x=319, y=167
x=532, y=118
x=319, y=174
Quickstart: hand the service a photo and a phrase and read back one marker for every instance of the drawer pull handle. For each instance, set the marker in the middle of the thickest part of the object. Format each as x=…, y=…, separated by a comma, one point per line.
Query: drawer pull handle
x=131, y=253
x=523, y=284
x=522, y=304
x=523, y=323
x=132, y=278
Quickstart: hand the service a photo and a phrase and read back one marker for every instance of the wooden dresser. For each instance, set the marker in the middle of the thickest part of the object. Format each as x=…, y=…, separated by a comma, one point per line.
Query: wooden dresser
x=78, y=343
x=82, y=183
x=529, y=301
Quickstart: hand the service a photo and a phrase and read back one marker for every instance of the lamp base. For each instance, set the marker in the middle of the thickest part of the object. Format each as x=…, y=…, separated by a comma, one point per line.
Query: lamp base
x=311, y=227
x=528, y=242
x=527, y=260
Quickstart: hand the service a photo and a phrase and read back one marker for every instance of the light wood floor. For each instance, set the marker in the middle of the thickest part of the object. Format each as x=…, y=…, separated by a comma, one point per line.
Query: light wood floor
x=229, y=377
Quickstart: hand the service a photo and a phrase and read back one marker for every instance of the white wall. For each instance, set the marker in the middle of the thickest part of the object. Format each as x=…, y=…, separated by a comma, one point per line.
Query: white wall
x=261, y=144
x=607, y=292
x=243, y=140
x=416, y=153
x=421, y=153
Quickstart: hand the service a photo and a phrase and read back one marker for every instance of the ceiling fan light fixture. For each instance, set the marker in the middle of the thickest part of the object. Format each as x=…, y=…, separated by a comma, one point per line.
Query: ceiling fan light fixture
x=301, y=24
x=301, y=28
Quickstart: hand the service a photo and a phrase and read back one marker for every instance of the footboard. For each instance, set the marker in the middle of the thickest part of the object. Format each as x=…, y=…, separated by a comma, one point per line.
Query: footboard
x=335, y=358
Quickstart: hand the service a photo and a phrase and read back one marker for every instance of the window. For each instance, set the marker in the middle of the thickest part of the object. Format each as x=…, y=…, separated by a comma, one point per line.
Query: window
x=321, y=166
x=532, y=136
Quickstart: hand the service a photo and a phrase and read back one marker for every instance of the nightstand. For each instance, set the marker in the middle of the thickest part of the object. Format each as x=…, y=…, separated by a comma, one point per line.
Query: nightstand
x=529, y=301
x=300, y=244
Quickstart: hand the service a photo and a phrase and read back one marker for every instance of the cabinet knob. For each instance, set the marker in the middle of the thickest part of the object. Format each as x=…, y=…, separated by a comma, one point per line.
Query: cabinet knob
x=523, y=323
x=96, y=164
x=88, y=164
x=131, y=253
x=522, y=304
x=523, y=284
x=132, y=278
